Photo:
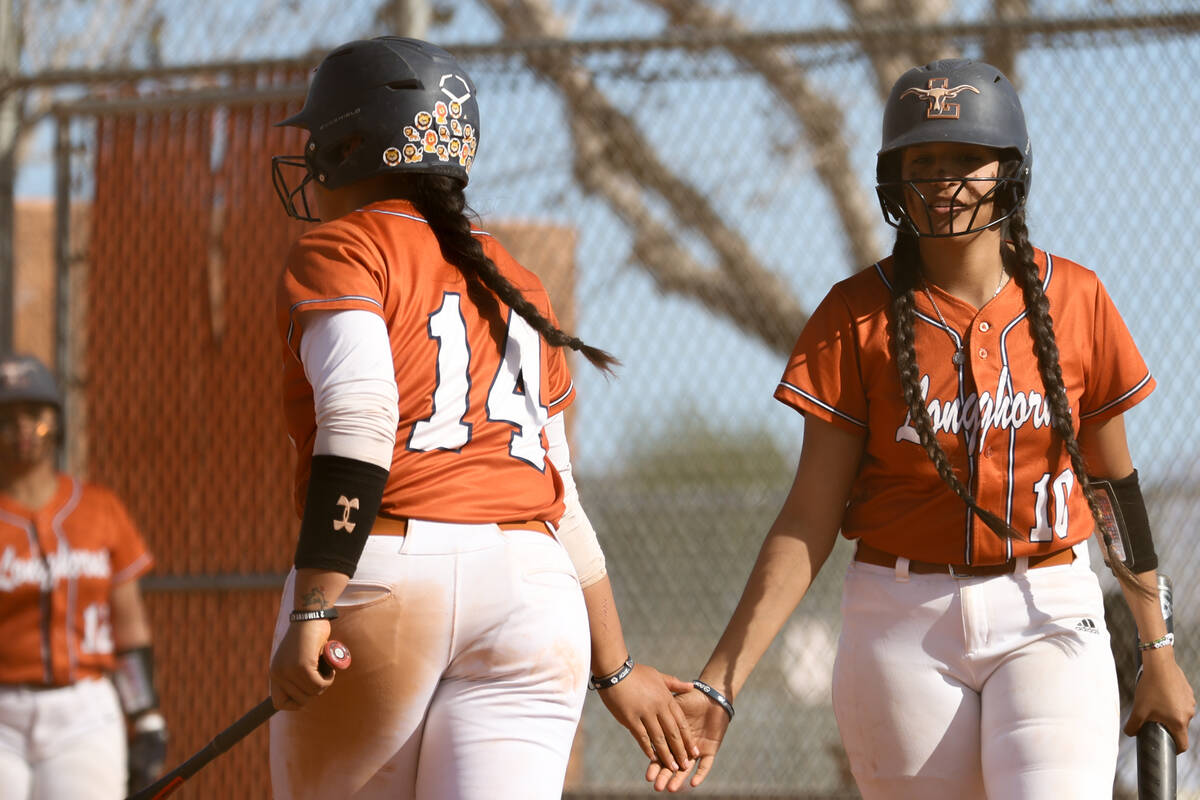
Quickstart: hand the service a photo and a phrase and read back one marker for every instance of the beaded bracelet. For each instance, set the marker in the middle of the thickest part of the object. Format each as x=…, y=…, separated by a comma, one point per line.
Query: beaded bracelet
x=300, y=615
x=1165, y=640
x=715, y=696
x=609, y=681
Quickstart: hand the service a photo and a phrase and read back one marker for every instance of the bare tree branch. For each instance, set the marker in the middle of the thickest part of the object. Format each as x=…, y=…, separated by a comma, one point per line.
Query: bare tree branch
x=614, y=160
x=890, y=62
x=1000, y=50
x=820, y=118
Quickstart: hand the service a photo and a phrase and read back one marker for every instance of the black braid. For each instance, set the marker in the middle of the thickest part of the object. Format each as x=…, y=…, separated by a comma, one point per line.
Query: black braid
x=442, y=203
x=1045, y=347
x=907, y=259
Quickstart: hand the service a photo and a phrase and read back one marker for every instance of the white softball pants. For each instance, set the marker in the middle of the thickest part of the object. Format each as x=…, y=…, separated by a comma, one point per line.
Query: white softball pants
x=1000, y=687
x=470, y=655
x=67, y=742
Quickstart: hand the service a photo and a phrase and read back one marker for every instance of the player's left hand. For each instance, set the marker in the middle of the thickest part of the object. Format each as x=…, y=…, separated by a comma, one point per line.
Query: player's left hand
x=708, y=722
x=295, y=677
x=1164, y=695
x=147, y=750
x=644, y=702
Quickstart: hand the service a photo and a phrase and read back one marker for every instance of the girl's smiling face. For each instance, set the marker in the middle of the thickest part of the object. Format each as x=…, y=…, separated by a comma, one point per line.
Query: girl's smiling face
x=949, y=186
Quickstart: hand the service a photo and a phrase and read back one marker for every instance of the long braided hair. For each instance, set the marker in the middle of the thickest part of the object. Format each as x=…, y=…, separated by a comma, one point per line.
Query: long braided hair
x=442, y=202
x=906, y=256
x=1019, y=261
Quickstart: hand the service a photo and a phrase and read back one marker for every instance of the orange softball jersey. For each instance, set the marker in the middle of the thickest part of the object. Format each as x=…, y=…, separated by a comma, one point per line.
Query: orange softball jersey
x=989, y=414
x=58, y=565
x=464, y=375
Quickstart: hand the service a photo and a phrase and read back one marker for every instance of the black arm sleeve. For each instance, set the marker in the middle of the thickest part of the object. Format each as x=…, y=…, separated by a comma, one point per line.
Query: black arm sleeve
x=342, y=502
x=1129, y=524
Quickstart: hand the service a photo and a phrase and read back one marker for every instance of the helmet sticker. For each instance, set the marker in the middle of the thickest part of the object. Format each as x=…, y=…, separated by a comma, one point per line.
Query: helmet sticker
x=937, y=95
x=448, y=142
x=449, y=84
x=391, y=156
x=456, y=110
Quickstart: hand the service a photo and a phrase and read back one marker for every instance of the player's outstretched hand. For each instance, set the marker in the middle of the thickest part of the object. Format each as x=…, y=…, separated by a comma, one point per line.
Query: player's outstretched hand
x=708, y=722
x=1164, y=695
x=644, y=702
x=295, y=677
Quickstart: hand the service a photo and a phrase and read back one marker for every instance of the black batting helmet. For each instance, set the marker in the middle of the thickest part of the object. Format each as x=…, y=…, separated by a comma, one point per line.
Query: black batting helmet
x=383, y=105
x=954, y=100
x=24, y=379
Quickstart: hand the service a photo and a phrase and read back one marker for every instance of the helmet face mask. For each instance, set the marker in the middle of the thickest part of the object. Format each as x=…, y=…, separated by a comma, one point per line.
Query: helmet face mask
x=953, y=101
x=288, y=194
x=388, y=105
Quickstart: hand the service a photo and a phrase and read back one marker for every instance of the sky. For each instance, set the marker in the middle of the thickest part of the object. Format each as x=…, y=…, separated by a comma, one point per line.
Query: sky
x=1107, y=184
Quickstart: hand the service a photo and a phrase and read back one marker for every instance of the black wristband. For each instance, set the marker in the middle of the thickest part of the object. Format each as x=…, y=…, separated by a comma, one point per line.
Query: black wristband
x=609, y=681
x=308, y=615
x=134, y=680
x=715, y=696
x=1127, y=520
x=343, y=500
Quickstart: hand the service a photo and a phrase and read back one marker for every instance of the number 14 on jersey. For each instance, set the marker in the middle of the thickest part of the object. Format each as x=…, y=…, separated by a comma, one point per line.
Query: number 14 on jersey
x=514, y=397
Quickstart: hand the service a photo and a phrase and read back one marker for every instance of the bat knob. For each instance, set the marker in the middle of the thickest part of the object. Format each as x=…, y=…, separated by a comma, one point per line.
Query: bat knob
x=337, y=654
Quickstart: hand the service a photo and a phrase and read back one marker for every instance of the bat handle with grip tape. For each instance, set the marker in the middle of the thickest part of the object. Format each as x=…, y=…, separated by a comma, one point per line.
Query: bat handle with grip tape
x=1155, y=747
x=333, y=656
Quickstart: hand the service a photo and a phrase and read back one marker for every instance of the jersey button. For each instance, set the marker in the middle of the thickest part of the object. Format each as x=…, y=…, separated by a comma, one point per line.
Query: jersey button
x=983, y=326
x=983, y=352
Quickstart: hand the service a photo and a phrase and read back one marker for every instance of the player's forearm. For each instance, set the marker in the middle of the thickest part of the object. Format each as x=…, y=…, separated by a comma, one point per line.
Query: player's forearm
x=1145, y=607
x=781, y=576
x=609, y=650
x=317, y=588
x=130, y=623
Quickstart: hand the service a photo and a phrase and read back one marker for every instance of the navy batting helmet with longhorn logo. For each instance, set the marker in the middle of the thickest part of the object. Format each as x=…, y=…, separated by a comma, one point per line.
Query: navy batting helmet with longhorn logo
x=954, y=100
x=383, y=105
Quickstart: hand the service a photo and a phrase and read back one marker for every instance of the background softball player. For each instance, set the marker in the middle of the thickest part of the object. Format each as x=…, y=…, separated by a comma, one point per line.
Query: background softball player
x=70, y=612
x=425, y=385
x=957, y=396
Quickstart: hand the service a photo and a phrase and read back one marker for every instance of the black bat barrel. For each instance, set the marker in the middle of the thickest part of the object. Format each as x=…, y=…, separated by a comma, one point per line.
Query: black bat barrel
x=1155, y=747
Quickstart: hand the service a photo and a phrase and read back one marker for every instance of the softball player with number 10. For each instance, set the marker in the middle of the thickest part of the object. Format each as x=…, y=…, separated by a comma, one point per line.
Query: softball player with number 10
x=963, y=400
x=442, y=538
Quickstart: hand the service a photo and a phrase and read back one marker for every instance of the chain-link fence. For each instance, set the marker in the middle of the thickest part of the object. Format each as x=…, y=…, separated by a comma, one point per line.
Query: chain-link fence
x=702, y=191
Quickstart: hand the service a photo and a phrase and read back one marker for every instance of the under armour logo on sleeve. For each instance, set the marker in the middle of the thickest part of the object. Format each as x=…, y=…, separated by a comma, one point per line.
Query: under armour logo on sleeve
x=344, y=524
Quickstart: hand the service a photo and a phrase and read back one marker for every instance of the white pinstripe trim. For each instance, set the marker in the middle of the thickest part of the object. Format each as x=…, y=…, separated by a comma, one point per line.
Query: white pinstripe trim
x=1118, y=400
x=821, y=403
x=64, y=547
x=415, y=218
x=882, y=277
x=563, y=396
x=132, y=570
x=292, y=312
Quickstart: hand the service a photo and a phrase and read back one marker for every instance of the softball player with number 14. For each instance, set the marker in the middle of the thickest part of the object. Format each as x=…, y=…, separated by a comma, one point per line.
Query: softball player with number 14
x=442, y=538
x=963, y=404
